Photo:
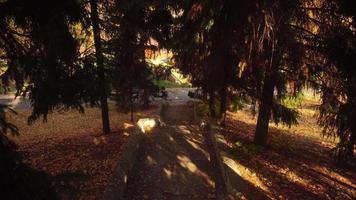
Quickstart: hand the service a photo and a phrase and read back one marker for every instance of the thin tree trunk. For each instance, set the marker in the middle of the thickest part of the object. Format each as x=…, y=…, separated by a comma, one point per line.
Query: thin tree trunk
x=100, y=64
x=264, y=113
x=351, y=144
x=212, y=104
x=223, y=99
x=146, y=100
x=132, y=109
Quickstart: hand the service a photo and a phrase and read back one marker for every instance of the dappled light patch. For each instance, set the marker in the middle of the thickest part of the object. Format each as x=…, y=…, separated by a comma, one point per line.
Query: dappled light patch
x=246, y=173
x=194, y=145
x=171, y=138
x=168, y=173
x=147, y=125
x=184, y=129
x=346, y=181
x=150, y=160
x=187, y=163
x=127, y=125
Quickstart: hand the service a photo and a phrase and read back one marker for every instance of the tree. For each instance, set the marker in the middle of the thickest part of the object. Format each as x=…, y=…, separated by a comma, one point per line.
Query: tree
x=336, y=47
x=207, y=46
x=100, y=63
x=41, y=55
x=274, y=68
x=132, y=26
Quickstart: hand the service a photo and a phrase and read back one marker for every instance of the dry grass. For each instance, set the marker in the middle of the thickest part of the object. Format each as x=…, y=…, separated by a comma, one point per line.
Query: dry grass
x=72, y=148
x=297, y=164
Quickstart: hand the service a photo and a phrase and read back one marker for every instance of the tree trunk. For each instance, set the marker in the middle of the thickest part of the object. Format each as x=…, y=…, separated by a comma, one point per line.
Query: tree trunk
x=351, y=144
x=264, y=113
x=223, y=99
x=212, y=104
x=146, y=99
x=132, y=110
x=100, y=64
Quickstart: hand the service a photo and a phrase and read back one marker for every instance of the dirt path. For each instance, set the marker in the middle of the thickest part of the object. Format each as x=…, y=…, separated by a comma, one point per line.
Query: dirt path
x=173, y=163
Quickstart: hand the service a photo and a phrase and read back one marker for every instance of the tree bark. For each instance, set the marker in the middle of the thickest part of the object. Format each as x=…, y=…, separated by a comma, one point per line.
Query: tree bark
x=100, y=64
x=146, y=100
x=212, y=104
x=132, y=107
x=351, y=144
x=264, y=113
x=223, y=99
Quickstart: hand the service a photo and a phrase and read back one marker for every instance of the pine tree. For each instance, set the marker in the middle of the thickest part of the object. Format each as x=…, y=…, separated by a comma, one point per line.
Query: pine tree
x=274, y=67
x=42, y=55
x=336, y=47
x=100, y=64
x=137, y=24
x=207, y=46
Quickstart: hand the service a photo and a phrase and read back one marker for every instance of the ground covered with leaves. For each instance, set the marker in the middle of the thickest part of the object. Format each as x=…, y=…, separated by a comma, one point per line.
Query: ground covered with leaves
x=297, y=163
x=72, y=149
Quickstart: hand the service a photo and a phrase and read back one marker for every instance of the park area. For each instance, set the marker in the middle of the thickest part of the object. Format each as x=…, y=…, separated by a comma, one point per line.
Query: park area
x=177, y=100
x=82, y=161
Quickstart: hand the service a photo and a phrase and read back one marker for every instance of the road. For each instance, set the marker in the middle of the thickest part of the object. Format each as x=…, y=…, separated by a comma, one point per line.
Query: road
x=18, y=103
x=176, y=96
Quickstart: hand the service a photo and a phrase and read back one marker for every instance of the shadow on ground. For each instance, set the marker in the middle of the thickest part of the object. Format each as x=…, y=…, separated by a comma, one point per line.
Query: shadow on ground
x=291, y=167
x=174, y=162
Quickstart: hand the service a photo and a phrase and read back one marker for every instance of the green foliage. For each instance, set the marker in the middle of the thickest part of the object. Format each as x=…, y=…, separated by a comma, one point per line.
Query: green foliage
x=285, y=111
x=134, y=77
x=140, y=87
x=283, y=114
x=202, y=43
x=245, y=148
x=293, y=101
x=338, y=82
x=202, y=110
x=42, y=55
x=169, y=84
x=236, y=103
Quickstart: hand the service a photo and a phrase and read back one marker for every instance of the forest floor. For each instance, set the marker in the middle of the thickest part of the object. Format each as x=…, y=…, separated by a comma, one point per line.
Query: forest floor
x=70, y=146
x=297, y=163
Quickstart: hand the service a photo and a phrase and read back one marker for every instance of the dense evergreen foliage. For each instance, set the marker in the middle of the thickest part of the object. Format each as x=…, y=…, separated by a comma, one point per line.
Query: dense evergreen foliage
x=42, y=55
x=337, y=47
x=140, y=27
x=269, y=51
